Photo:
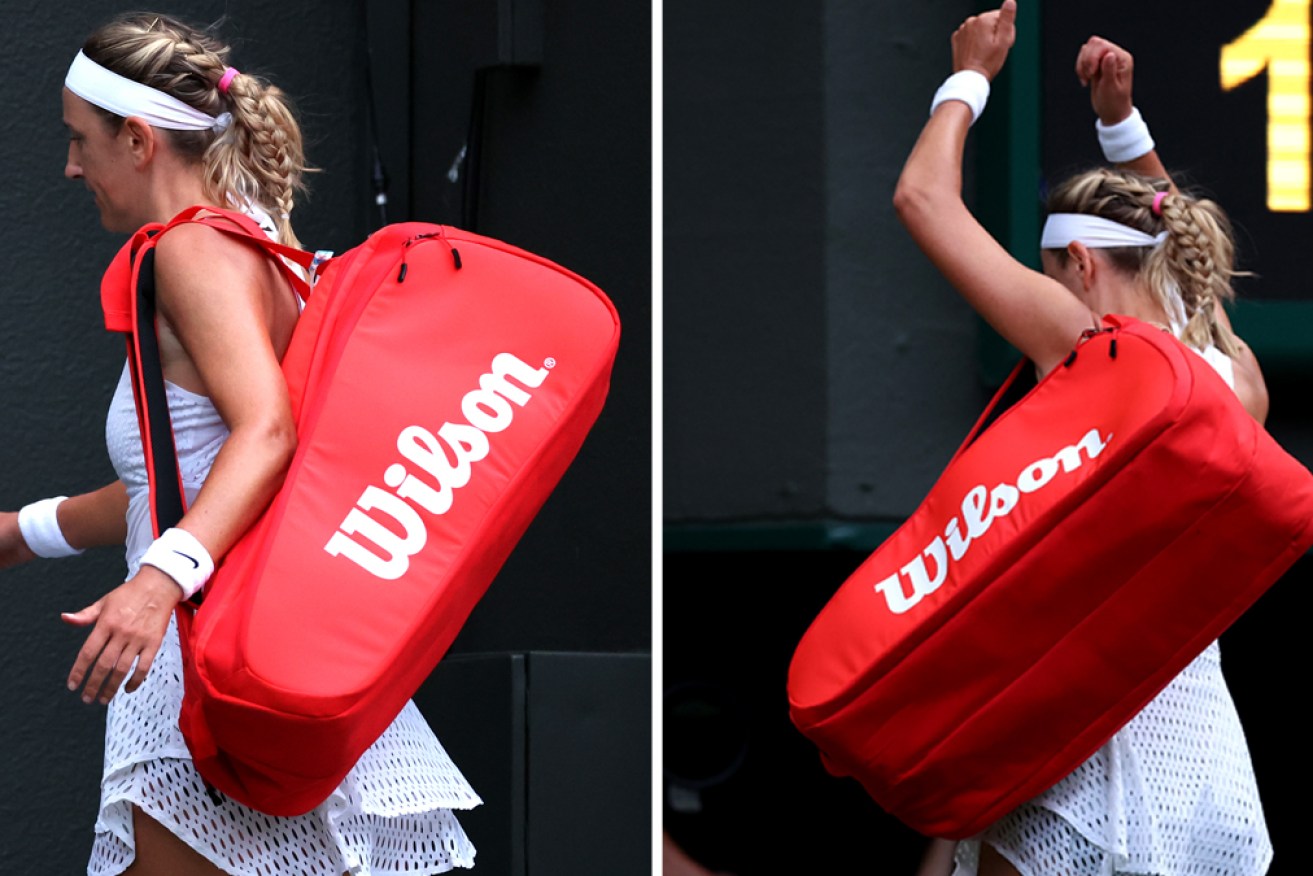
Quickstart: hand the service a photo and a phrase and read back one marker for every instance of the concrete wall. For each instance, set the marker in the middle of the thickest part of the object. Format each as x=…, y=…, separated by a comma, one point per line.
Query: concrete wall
x=816, y=366
x=817, y=371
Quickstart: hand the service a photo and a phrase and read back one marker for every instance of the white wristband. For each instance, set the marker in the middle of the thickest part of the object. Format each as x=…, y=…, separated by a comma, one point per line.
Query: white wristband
x=969, y=86
x=179, y=555
x=39, y=524
x=1125, y=141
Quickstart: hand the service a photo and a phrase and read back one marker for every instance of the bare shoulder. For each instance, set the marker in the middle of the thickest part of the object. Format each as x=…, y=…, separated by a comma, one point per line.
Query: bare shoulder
x=198, y=267
x=205, y=254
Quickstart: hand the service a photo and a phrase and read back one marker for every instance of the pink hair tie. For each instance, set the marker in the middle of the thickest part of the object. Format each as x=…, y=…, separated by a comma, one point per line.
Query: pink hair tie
x=1158, y=203
x=229, y=74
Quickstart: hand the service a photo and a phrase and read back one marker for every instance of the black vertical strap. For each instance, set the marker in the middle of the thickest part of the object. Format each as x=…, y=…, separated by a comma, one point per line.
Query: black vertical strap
x=474, y=153
x=167, y=497
x=380, y=174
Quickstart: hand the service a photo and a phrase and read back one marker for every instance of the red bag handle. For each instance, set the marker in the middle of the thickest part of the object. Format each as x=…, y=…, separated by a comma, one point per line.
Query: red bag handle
x=986, y=415
x=1109, y=323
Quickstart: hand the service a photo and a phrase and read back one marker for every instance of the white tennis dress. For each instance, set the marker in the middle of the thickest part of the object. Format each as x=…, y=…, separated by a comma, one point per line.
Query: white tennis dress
x=391, y=815
x=1171, y=794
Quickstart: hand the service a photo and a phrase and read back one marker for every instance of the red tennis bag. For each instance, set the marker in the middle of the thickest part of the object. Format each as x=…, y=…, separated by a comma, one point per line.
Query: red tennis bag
x=1071, y=560
x=441, y=383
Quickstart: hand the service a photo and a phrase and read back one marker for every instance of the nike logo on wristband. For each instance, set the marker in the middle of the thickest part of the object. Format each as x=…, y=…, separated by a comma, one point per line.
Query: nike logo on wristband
x=194, y=562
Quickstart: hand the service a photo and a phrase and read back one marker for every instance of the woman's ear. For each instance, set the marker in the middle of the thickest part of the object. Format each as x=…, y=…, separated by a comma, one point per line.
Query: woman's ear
x=140, y=140
x=1083, y=260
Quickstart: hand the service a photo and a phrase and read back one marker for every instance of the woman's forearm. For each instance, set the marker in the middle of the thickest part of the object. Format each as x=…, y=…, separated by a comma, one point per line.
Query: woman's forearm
x=1150, y=165
x=246, y=474
x=96, y=519
x=932, y=177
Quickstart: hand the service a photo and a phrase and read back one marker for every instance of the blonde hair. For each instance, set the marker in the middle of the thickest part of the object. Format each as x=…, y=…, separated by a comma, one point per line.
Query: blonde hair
x=259, y=157
x=1191, y=269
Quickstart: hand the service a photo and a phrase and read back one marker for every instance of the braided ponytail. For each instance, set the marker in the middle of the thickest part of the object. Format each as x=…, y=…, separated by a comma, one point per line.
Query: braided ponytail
x=1189, y=272
x=1197, y=259
x=258, y=157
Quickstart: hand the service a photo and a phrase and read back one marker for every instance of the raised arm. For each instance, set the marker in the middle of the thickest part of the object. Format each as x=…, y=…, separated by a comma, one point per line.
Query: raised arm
x=1108, y=70
x=227, y=308
x=1035, y=313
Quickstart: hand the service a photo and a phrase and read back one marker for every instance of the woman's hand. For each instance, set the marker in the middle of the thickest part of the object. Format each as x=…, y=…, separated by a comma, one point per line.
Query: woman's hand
x=982, y=42
x=1107, y=69
x=130, y=622
x=13, y=549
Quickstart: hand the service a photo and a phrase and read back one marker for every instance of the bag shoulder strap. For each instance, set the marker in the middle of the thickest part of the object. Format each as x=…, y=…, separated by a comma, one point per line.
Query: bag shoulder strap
x=167, y=499
x=1014, y=389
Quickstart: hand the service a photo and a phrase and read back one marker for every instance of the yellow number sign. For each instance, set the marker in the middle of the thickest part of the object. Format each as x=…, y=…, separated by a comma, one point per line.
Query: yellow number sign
x=1279, y=43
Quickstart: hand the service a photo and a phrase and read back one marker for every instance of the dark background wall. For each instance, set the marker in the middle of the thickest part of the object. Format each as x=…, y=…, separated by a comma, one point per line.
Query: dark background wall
x=816, y=375
x=819, y=373
x=565, y=173
x=794, y=305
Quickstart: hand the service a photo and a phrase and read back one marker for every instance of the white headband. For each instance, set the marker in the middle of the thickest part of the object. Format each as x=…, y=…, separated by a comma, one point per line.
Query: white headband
x=1095, y=232
x=125, y=97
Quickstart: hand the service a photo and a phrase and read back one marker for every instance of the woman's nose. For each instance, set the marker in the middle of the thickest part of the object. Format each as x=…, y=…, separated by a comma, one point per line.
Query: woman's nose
x=72, y=169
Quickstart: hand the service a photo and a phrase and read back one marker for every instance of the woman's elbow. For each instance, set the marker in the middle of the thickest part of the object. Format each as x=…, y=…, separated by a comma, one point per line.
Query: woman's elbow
x=922, y=209
x=907, y=199
x=282, y=442
x=1250, y=384
x=274, y=439
x=915, y=202
x=1256, y=401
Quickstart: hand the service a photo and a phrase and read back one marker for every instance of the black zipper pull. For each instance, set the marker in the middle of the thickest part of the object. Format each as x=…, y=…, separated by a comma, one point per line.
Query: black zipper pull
x=405, y=248
x=419, y=238
x=1087, y=335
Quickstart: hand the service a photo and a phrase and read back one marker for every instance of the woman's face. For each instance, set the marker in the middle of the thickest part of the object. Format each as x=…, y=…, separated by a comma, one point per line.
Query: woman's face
x=100, y=158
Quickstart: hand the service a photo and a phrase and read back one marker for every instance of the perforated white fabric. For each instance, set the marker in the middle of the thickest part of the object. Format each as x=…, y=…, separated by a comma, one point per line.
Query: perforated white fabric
x=1171, y=794
x=392, y=814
